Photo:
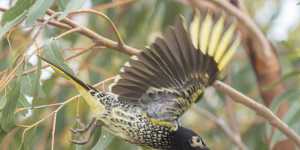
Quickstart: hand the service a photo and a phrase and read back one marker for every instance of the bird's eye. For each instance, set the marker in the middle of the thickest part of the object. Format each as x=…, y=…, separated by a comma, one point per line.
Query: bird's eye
x=196, y=141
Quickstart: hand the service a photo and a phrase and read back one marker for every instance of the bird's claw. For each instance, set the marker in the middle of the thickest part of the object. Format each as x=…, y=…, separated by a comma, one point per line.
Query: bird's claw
x=84, y=129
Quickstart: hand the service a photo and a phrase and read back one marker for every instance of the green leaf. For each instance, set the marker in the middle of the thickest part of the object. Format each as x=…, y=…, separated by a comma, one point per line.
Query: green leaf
x=290, y=118
x=8, y=121
x=28, y=140
x=36, y=83
x=96, y=137
x=23, y=102
x=290, y=95
x=3, y=101
x=62, y=4
x=51, y=53
x=4, y=29
x=26, y=85
x=38, y=9
x=72, y=6
x=104, y=141
x=17, y=10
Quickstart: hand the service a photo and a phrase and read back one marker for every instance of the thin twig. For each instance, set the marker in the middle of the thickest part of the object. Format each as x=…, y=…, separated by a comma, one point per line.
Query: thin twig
x=29, y=127
x=53, y=131
x=67, y=23
x=36, y=107
x=221, y=123
x=113, y=4
x=67, y=32
x=4, y=82
x=259, y=109
x=98, y=38
x=66, y=59
x=115, y=29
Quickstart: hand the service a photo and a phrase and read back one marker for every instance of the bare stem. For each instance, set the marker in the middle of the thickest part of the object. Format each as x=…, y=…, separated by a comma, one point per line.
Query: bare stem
x=115, y=29
x=234, y=137
x=98, y=38
x=260, y=109
x=53, y=131
x=113, y=4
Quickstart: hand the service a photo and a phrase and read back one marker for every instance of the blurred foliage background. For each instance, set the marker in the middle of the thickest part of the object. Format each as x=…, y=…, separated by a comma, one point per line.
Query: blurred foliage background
x=25, y=84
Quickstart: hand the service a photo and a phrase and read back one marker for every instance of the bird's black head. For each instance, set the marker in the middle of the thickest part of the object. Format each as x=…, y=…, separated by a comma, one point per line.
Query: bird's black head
x=186, y=139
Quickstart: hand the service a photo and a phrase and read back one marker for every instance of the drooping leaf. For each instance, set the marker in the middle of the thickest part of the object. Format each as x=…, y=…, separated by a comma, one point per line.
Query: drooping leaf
x=96, y=137
x=72, y=6
x=254, y=137
x=17, y=10
x=23, y=102
x=28, y=142
x=38, y=9
x=13, y=94
x=104, y=141
x=3, y=101
x=290, y=95
x=36, y=83
x=4, y=29
x=26, y=85
x=52, y=53
x=62, y=4
x=291, y=118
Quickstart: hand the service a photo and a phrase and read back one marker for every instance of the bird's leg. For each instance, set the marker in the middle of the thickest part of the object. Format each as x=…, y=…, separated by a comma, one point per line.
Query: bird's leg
x=89, y=131
x=83, y=128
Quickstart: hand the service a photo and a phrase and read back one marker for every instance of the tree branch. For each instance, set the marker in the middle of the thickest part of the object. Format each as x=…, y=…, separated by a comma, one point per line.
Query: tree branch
x=98, y=38
x=115, y=29
x=220, y=122
x=259, y=109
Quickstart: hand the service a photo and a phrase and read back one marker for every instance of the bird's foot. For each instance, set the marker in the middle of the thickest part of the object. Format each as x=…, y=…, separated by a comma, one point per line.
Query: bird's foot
x=84, y=129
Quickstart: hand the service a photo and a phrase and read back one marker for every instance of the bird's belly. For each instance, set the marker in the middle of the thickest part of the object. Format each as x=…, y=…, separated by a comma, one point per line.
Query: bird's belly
x=136, y=128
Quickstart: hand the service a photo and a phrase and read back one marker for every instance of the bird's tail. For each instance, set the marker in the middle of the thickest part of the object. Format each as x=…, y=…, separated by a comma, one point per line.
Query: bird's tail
x=83, y=88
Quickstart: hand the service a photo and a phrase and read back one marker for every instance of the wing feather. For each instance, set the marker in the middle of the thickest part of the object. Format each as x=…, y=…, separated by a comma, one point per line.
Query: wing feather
x=170, y=75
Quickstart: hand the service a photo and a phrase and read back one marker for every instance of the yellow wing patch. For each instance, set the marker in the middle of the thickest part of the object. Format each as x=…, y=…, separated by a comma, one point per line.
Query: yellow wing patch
x=163, y=123
x=210, y=36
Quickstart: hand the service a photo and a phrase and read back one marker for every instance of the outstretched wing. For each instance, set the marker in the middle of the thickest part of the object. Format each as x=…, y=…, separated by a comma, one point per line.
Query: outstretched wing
x=168, y=77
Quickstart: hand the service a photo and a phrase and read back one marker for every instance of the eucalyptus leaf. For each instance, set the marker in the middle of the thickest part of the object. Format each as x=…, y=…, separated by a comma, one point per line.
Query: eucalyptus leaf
x=104, y=141
x=96, y=137
x=71, y=6
x=3, y=101
x=4, y=29
x=13, y=94
x=290, y=118
x=26, y=85
x=38, y=9
x=17, y=10
x=23, y=102
x=290, y=95
x=36, y=82
x=51, y=53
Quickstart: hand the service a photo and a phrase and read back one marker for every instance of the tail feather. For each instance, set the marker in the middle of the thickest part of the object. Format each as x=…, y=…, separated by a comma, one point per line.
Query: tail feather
x=83, y=88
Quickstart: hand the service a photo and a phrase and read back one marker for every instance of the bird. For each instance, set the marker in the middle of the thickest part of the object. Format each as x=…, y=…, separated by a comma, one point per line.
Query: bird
x=156, y=86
